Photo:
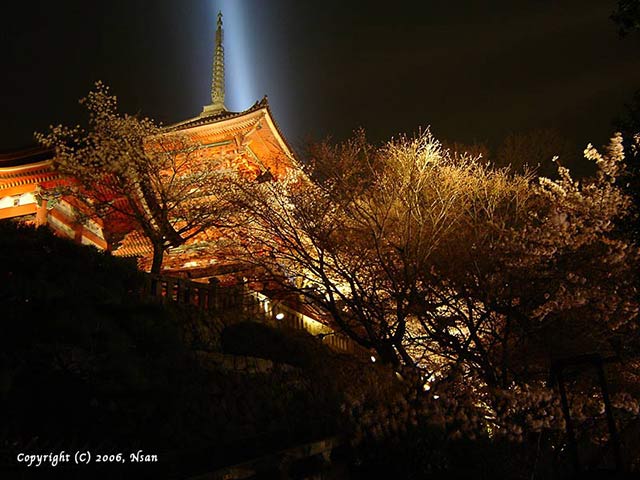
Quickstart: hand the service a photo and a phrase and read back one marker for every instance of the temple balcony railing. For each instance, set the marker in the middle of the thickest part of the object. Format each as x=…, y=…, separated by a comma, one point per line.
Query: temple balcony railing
x=206, y=296
x=221, y=298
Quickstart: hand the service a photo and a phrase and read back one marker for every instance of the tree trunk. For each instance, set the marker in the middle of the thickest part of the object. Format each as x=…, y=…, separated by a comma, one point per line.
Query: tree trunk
x=158, y=254
x=404, y=355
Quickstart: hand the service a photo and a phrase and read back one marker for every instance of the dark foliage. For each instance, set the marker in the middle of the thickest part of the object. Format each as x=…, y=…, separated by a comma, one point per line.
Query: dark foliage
x=629, y=124
x=84, y=364
x=627, y=16
x=38, y=267
x=294, y=347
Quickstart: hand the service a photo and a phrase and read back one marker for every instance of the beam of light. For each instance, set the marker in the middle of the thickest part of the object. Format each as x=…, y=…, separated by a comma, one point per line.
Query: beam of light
x=239, y=84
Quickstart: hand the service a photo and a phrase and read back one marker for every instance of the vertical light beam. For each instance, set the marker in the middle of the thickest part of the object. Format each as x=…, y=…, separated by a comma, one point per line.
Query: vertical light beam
x=240, y=91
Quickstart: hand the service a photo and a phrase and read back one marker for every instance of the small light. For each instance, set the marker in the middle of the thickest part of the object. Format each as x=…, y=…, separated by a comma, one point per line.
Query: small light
x=426, y=387
x=373, y=359
x=436, y=397
x=280, y=316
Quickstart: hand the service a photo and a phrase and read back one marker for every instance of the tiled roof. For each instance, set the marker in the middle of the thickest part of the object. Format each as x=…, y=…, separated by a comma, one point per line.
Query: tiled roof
x=134, y=244
x=222, y=116
x=29, y=173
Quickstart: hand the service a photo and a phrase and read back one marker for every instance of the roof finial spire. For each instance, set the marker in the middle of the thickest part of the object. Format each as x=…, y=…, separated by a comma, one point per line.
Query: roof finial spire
x=217, y=82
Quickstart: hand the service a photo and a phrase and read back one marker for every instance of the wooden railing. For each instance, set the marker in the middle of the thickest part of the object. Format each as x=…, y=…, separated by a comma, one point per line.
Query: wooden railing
x=206, y=296
x=280, y=314
x=217, y=298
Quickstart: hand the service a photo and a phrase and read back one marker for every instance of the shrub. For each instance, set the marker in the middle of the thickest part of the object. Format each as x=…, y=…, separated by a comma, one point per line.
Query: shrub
x=295, y=347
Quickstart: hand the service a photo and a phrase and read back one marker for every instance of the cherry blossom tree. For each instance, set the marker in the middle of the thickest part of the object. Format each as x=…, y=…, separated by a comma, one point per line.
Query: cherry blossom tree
x=439, y=261
x=364, y=228
x=129, y=172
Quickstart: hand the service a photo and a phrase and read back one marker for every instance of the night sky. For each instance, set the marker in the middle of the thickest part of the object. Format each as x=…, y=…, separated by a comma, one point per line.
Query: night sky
x=473, y=71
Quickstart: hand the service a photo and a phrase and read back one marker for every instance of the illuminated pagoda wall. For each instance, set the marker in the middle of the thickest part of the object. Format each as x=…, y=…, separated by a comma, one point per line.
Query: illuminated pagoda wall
x=23, y=176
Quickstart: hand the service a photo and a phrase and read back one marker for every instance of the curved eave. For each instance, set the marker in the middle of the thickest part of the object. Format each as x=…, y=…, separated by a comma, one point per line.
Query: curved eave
x=26, y=168
x=25, y=157
x=211, y=119
x=229, y=118
x=276, y=130
x=27, y=174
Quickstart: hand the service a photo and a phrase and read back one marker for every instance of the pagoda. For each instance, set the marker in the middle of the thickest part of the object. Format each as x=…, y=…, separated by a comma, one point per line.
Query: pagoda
x=250, y=139
x=252, y=142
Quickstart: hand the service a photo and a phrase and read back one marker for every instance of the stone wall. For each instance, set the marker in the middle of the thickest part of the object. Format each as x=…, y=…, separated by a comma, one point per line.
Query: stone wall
x=239, y=363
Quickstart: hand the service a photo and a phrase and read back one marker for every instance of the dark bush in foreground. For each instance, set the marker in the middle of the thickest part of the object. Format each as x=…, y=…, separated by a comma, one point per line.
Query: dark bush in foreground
x=283, y=345
x=38, y=267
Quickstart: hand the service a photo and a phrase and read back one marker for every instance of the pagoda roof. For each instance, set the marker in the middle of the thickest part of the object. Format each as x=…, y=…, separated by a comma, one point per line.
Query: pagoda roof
x=217, y=117
x=25, y=156
x=25, y=169
x=224, y=116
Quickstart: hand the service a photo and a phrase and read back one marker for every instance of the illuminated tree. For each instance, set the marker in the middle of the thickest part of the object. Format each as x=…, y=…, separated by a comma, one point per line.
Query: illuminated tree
x=127, y=171
x=362, y=232
x=629, y=124
x=559, y=280
x=439, y=260
x=470, y=281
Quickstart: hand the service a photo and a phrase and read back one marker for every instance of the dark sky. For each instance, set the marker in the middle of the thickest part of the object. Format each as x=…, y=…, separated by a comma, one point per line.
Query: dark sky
x=471, y=70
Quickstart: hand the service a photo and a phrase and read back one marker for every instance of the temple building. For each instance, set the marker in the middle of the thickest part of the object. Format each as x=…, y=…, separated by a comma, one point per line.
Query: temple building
x=21, y=174
x=248, y=141
x=250, y=138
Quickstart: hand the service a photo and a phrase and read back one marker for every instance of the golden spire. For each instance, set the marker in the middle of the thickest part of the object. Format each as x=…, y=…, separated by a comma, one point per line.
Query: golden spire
x=217, y=82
